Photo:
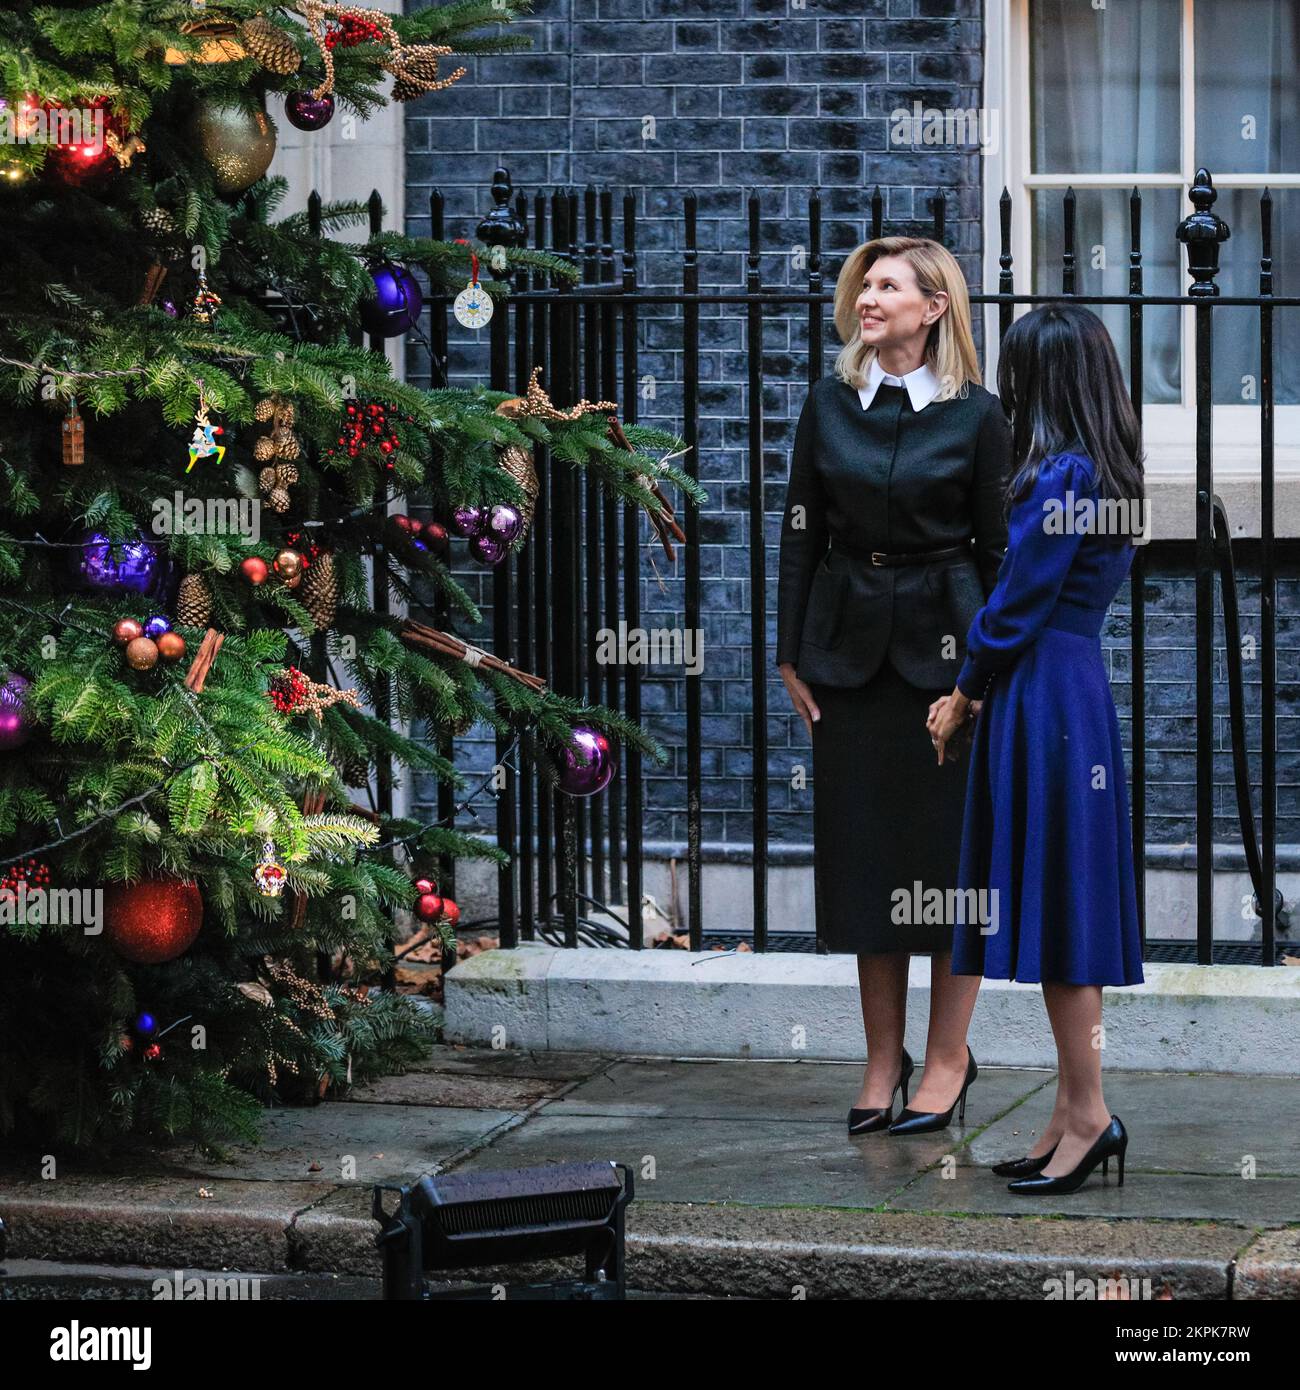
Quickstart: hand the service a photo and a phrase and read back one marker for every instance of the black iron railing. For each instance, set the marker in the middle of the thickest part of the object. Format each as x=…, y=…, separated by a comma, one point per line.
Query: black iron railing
x=581, y=567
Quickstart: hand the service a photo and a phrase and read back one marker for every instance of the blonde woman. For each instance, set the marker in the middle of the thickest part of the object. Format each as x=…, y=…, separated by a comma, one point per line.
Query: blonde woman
x=891, y=541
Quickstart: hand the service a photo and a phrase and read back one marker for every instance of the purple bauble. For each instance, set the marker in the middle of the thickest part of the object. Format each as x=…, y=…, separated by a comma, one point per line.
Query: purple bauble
x=468, y=521
x=397, y=303
x=487, y=549
x=309, y=112
x=15, y=726
x=579, y=779
x=169, y=308
x=155, y=627
x=504, y=522
x=134, y=569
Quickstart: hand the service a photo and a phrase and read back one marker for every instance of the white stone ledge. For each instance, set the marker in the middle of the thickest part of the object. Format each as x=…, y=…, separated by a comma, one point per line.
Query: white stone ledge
x=1225, y=1018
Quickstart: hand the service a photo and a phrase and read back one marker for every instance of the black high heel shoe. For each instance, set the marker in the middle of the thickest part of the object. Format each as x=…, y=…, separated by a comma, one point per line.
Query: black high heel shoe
x=1112, y=1141
x=870, y=1120
x=924, y=1121
x=1025, y=1167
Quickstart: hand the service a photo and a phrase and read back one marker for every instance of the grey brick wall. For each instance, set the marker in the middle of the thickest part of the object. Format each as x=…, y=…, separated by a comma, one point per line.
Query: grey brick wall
x=729, y=97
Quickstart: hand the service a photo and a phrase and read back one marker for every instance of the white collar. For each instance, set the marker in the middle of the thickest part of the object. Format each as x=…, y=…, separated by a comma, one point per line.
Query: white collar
x=922, y=384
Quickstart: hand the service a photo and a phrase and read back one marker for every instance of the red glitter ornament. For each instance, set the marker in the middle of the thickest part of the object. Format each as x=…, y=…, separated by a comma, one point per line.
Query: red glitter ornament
x=450, y=913
x=154, y=920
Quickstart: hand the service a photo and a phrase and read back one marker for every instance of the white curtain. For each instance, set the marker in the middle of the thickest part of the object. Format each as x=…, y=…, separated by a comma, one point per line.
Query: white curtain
x=1105, y=96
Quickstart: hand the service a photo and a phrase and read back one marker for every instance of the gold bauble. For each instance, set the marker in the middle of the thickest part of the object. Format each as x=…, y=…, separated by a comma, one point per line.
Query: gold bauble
x=238, y=144
x=142, y=654
x=288, y=564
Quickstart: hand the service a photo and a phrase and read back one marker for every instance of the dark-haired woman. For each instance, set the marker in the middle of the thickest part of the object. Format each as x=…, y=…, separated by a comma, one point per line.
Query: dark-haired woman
x=1047, y=826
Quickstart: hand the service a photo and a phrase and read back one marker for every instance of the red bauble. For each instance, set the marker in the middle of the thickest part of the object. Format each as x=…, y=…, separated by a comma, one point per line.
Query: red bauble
x=154, y=920
x=428, y=907
x=403, y=523
x=127, y=630
x=450, y=913
x=255, y=569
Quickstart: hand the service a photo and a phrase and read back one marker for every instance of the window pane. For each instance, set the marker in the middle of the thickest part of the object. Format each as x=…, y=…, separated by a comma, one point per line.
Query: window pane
x=1104, y=85
x=1236, y=330
x=1247, y=98
x=1101, y=233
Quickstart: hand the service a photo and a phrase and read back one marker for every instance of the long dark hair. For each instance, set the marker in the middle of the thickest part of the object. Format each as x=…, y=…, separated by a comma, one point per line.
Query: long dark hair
x=1060, y=383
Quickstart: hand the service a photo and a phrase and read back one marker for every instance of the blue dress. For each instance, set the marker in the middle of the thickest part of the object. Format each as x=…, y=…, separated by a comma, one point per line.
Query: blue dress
x=1046, y=825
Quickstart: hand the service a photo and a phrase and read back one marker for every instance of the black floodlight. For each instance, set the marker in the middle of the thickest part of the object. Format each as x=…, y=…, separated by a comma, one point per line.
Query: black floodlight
x=461, y=1221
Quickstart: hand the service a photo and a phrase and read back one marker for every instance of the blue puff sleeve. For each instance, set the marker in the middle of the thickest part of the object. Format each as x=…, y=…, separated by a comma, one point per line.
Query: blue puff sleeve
x=1031, y=575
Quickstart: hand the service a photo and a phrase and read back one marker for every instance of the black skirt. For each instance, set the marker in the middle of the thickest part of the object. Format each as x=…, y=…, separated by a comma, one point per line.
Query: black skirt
x=886, y=817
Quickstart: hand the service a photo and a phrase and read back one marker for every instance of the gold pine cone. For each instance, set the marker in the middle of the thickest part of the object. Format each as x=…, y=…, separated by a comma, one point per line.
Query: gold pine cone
x=270, y=45
x=194, y=601
x=320, y=590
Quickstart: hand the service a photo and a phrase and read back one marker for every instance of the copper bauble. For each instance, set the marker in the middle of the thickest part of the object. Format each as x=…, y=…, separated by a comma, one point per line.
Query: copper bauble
x=152, y=921
x=171, y=646
x=237, y=143
x=142, y=654
x=126, y=630
x=288, y=564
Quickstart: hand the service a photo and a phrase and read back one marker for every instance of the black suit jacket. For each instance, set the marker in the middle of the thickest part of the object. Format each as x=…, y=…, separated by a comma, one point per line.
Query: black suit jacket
x=889, y=479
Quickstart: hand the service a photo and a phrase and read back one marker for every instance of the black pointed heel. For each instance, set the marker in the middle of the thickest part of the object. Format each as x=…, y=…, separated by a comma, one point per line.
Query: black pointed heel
x=870, y=1120
x=1024, y=1167
x=925, y=1121
x=1111, y=1143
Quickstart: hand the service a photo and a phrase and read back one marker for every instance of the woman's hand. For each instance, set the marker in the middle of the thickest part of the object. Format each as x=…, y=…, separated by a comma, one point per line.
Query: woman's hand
x=948, y=715
x=800, y=696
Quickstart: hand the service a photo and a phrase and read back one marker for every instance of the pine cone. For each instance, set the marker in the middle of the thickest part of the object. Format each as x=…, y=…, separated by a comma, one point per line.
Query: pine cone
x=518, y=462
x=286, y=474
x=270, y=45
x=278, y=500
x=354, y=769
x=263, y=448
x=285, y=443
x=194, y=601
x=320, y=590
x=264, y=409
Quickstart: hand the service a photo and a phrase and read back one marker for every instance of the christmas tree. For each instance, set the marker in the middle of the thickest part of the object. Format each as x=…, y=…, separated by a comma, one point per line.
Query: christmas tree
x=201, y=471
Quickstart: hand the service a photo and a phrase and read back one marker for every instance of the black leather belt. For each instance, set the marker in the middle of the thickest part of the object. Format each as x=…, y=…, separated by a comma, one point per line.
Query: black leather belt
x=903, y=557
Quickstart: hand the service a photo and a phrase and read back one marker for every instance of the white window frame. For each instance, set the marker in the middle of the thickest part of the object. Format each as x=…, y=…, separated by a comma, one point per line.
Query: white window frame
x=1169, y=430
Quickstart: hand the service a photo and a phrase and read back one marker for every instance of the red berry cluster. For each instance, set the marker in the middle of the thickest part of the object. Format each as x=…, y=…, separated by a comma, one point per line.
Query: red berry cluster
x=352, y=30
x=305, y=547
x=31, y=872
x=287, y=689
x=367, y=425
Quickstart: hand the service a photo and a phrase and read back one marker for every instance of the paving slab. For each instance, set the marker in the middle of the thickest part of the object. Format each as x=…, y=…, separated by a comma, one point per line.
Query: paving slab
x=462, y=1090
x=1206, y=1123
x=1154, y=1196
x=334, y=1143
x=806, y=1092
x=692, y=1160
x=462, y=1059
